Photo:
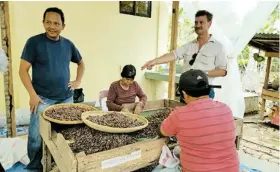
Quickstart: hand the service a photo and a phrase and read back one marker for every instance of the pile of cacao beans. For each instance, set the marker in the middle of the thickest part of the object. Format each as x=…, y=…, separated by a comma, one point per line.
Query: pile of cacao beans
x=155, y=120
x=66, y=113
x=115, y=119
x=91, y=141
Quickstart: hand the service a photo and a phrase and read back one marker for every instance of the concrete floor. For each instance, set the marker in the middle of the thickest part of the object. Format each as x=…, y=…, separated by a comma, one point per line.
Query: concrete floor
x=255, y=163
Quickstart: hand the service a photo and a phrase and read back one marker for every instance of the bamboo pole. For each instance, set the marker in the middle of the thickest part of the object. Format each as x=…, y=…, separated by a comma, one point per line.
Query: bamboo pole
x=173, y=45
x=8, y=76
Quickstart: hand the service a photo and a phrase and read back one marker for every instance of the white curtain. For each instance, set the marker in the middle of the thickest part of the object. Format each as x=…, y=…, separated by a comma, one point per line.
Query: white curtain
x=234, y=24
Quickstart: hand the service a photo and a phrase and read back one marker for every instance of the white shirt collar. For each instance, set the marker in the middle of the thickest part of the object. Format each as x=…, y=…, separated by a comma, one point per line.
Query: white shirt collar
x=212, y=39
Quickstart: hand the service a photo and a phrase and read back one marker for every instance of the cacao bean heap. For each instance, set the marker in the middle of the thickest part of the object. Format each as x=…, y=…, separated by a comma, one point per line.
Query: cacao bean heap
x=91, y=141
x=115, y=119
x=67, y=113
x=155, y=120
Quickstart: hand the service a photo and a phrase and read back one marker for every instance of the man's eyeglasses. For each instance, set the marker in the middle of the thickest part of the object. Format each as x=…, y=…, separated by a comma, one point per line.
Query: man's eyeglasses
x=193, y=59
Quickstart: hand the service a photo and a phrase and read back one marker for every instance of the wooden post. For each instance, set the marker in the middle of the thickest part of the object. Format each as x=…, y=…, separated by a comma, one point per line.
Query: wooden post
x=173, y=45
x=8, y=76
x=268, y=64
x=47, y=158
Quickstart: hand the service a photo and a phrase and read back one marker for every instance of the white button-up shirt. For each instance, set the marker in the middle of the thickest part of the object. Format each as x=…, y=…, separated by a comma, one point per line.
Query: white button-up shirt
x=209, y=57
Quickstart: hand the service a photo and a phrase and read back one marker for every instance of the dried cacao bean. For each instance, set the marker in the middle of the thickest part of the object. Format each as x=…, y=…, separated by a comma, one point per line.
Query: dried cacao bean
x=92, y=141
x=66, y=113
x=115, y=119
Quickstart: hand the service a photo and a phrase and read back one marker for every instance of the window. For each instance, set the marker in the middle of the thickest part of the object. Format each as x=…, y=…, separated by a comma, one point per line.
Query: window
x=136, y=8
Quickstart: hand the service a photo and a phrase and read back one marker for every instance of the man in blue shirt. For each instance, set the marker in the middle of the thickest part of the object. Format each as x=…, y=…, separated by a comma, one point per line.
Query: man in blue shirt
x=50, y=55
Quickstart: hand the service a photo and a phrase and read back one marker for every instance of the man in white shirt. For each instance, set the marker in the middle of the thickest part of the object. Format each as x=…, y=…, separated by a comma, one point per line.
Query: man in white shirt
x=204, y=53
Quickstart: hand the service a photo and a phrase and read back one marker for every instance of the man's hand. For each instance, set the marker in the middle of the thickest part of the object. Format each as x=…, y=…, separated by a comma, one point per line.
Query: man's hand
x=74, y=84
x=34, y=102
x=138, y=109
x=125, y=110
x=149, y=65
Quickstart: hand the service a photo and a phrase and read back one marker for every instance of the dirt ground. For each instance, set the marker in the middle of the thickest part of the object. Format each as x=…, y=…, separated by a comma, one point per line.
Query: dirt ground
x=260, y=140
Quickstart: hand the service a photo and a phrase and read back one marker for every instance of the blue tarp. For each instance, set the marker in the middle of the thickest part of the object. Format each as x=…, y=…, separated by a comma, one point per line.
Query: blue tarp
x=20, y=130
x=18, y=167
x=243, y=167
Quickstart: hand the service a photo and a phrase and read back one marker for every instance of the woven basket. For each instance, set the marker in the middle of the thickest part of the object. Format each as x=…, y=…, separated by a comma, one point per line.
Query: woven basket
x=66, y=105
x=107, y=129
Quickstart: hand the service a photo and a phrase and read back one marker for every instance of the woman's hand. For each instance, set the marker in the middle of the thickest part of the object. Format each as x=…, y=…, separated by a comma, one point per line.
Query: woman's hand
x=138, y=108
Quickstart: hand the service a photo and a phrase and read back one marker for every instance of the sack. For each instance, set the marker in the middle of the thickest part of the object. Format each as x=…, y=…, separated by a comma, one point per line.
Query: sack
x=168, y=161
x=78, y=95
x=13, y=150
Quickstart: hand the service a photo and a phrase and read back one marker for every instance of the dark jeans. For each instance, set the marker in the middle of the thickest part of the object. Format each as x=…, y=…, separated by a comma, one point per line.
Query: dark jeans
x=34, y=144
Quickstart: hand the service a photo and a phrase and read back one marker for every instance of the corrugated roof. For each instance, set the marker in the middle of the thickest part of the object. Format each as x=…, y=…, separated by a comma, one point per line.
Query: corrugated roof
x=268, y=42
x=266, y=36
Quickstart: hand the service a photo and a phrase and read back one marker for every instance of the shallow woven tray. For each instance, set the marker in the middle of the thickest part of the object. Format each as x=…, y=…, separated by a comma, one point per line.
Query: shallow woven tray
x=67, y=105
x=107, y=129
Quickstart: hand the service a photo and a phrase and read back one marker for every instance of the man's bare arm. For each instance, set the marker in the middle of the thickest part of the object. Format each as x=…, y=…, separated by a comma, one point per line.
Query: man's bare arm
x=25, y=77
x=168, y=57
x=80, y=71
x=217, y=73
x=26, y=80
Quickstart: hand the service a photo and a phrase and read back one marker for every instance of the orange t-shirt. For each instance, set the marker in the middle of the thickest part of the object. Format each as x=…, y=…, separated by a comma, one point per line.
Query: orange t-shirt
x=205, y=130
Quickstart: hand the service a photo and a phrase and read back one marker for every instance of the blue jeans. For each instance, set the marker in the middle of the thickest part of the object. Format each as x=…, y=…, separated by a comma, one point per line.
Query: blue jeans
x=34, y=144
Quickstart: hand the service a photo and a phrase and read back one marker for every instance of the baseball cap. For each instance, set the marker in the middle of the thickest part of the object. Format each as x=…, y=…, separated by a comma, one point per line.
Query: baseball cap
x=195, y=80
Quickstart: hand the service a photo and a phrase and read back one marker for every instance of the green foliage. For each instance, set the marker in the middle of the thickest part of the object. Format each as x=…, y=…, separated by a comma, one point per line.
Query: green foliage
x=269, y=27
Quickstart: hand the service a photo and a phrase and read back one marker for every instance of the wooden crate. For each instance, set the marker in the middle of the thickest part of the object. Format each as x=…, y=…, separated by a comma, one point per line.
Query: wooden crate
x=165, y=103
x=123, y=159
x=126, y=158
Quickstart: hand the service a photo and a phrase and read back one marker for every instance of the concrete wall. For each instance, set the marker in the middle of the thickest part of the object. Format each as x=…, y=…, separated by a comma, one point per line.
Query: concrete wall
x=106, y=39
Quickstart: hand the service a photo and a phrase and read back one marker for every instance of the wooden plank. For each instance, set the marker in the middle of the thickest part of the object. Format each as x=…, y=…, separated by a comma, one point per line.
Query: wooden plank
x=47, y=158
x=173, y=45
x=262, y=108
x=45, y=131
x=154, y=105
x=8, y=76
x=66, y=153
x=270, y=93
x=238, y=126
x=175, y=103
x=55, y=169
x=171, y=80
x=272, y=54
x=268, y=64
x=148, y=150
x=270, y=98
x=45, y=128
